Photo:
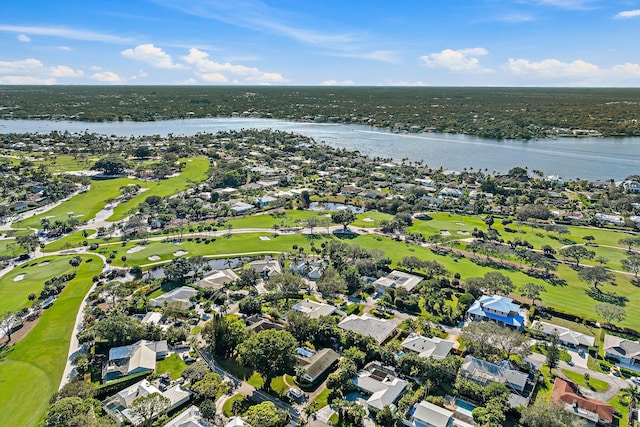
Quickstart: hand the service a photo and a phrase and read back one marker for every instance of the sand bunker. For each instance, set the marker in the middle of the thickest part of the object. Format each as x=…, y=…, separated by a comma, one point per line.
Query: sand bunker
x=154, y=258
x=264, y=238
x=180, y=253
x=368, y=219
x=43, y=263
x=465, y=233
x=460, y=223
x=445, y=233
x=18, y=278
x=135, y=249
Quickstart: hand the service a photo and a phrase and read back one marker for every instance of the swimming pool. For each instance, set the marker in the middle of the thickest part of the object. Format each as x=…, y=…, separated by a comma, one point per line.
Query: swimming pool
x=464, y=408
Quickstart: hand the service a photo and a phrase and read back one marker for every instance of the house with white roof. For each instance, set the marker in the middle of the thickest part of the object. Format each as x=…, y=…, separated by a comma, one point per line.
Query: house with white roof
x=565, y=336
x=311, y=269
x=178, y=297
x=397, y=279
x=217, y=279
x=189, y=418
x=118, y=405
x=498, y=309
x=314, y=309
x=380, y=330
x=381, y=384
x=434, y=347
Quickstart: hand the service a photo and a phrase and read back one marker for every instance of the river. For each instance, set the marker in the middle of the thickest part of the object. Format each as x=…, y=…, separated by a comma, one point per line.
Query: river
x=569, y=158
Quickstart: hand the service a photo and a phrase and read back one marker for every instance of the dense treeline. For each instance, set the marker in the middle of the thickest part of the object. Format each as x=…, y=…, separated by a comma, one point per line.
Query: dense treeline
x=522, y=113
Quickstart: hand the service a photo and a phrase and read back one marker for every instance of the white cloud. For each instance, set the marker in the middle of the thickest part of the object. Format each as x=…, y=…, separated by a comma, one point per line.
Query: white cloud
x=25, y=66
x=26, y=80
x=33, y=71
x=551, y=68
x=23, y=38
x=629, y=14
x=219, y=72
x=107, y=77
x=456, y=60
x=66, y=33
x=64, y=48
x=151, y=55
x=64, y=71
x=576, y=73
x=566, y=4
x=337, y=83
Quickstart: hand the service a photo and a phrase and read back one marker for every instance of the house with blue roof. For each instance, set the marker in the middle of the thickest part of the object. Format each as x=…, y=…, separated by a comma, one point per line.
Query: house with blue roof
x=498, y=309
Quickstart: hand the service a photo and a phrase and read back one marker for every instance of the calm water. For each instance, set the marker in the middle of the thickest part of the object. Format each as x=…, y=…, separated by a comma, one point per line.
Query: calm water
x=570, y=158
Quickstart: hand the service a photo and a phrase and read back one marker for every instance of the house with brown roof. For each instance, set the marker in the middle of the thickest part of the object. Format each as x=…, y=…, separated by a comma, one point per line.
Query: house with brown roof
x=592, y=410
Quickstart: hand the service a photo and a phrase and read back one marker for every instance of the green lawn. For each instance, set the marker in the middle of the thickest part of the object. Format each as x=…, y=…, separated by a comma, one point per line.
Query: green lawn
x=594, y=383
x=194, y=172
x=228, y=405
x=31, y=370
x=322, y=399
x=87, y=204
x=9, y=247
x=13, y=294
x=289, y=218
x=172, y=364
x=376, y=216
x=621, y=403
x=72, y=240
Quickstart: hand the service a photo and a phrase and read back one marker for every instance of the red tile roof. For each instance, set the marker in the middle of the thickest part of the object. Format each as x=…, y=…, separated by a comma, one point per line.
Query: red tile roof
x=568, y=393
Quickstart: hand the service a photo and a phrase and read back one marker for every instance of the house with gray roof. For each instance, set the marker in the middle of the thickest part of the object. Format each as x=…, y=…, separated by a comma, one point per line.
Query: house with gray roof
x=317, y=364
x=625, y=351
x=189, y=418
x=133, y=359
x=381, y=384
x=367, y=325
x=118, y=405
x=565, y=336
x=426, y=414
x=434, y=347
x=482, y=372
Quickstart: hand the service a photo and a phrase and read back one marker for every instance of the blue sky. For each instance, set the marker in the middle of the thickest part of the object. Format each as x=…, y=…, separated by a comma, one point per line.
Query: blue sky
x=322, y=42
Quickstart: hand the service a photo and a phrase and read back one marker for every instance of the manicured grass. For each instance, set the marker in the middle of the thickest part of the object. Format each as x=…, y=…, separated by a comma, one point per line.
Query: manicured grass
x=322, y=399
x=87, y=204
x=541, y=349
x=289, y=218
x=621, y=403
x=594, y=383
x=63, y=163
x=195, y=171
x=9, y=247
x=172, y=364
x=376, y=216
x=227, y=408
x=13, y=294
x=31, y=369
x=72, y=240
x=278, y=385
x=354, y=308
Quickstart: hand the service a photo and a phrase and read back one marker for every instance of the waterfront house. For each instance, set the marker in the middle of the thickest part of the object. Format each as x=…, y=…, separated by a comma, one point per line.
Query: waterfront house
x=178, y=297
x=266, y=268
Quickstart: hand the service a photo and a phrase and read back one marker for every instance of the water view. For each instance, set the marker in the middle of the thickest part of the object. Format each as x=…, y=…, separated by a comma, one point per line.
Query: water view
x=569, y=158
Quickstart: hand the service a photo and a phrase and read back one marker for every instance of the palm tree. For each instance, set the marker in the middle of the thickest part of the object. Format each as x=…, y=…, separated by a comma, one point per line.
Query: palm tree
x=633, y=394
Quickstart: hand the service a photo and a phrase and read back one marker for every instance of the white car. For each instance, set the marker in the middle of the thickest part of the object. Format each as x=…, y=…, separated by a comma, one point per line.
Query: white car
x=635, y=380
